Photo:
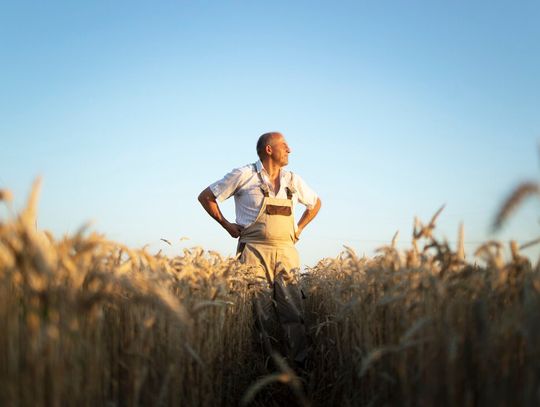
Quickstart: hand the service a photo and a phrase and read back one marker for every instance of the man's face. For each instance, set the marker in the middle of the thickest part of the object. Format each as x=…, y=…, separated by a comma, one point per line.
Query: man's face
x=280, y=151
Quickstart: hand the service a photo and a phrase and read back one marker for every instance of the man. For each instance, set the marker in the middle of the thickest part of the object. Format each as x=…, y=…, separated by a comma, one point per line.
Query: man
x=265, y=196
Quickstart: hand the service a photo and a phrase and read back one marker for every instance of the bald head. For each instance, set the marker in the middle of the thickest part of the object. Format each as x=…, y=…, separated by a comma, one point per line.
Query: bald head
x=267, y=139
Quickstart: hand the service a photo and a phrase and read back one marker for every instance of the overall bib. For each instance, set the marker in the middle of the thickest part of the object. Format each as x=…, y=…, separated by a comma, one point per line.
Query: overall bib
x=268, y=245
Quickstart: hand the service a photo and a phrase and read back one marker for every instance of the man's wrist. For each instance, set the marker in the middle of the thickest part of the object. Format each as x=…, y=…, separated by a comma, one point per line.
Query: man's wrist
x=224, y=222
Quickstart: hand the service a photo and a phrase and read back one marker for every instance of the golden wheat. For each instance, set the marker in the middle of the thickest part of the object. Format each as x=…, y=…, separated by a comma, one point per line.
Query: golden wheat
x=86, y=321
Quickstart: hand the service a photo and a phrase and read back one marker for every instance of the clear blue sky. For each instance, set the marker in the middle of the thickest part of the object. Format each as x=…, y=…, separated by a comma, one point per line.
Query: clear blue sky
x=392, y=108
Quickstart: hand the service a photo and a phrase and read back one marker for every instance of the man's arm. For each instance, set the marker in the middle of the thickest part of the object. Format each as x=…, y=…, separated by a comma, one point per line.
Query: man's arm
x=307, y=216
x=209, y=203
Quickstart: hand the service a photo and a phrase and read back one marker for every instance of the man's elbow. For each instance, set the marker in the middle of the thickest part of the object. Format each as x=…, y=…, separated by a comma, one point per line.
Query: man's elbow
x=200, y=198
x=315, y=208
x=205, y=196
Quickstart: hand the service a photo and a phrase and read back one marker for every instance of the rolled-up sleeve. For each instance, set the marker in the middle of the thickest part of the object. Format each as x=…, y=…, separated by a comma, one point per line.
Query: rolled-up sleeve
x=306, y=195
x=225, y=187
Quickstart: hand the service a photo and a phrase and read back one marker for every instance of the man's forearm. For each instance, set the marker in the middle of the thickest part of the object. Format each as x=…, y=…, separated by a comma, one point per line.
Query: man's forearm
x=309, y=215
x=209, y=203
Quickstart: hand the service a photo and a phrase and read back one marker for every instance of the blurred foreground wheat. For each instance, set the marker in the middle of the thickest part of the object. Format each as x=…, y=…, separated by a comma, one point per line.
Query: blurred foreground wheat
x=423, y=327
x=88, y=322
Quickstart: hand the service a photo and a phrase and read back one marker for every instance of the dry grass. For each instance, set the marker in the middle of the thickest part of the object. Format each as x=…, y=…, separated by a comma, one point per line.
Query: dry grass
x=86, y=322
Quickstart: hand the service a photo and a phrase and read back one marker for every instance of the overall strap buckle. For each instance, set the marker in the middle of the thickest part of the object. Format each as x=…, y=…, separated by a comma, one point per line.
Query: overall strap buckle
x=264, y=189
x=290, y=189
x=289, y=193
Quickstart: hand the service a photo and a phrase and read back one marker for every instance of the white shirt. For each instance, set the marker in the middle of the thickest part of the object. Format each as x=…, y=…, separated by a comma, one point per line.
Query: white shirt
x=245, y=185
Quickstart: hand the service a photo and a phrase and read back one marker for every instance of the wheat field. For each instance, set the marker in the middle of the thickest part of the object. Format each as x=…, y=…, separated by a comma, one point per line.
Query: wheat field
x=85, y=321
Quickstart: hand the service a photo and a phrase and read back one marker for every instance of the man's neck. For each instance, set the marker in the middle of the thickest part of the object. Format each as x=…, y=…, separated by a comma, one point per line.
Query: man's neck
x=272, y=169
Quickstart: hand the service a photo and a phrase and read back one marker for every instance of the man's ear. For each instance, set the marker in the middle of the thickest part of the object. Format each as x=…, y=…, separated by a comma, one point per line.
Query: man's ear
x=268, y=149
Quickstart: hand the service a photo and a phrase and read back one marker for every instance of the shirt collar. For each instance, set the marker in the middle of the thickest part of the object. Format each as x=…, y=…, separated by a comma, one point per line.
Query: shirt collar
x=260, y=168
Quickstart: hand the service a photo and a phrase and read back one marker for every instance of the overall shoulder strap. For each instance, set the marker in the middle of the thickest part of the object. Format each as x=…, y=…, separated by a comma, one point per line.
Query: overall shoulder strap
x=264, y=187
x=291, y=189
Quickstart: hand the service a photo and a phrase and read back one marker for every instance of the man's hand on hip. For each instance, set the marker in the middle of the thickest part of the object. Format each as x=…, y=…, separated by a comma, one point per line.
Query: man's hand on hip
x=234, y=229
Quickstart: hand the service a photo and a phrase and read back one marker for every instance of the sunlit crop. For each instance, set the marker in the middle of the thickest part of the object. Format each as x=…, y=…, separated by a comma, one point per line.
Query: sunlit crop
x=89, y=322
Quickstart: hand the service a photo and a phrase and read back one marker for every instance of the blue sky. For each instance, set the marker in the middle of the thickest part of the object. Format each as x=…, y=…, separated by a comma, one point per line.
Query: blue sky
x=392, y=108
